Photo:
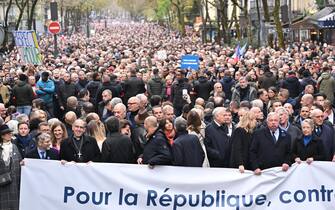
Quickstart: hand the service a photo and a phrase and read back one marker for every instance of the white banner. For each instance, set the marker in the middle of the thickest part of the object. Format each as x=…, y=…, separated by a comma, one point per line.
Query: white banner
x=52, y=186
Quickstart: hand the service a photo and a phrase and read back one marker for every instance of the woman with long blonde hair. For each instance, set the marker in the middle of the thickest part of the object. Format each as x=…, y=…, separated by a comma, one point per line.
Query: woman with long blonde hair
x=241, y=140
x=96, y=129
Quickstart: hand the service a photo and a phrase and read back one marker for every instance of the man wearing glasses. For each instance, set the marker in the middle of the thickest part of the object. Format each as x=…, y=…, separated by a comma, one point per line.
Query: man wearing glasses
x=325, y=133
x=79, y=147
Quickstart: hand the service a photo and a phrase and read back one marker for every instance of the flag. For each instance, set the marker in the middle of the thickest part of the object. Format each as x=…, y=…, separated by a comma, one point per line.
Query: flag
x=236, y=54
x=242, y=51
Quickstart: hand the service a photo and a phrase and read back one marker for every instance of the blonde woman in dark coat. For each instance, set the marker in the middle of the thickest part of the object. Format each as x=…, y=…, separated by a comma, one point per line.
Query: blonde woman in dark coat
x=241, y=141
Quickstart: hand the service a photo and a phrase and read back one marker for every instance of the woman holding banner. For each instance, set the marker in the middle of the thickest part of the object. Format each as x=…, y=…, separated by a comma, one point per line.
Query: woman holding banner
x=10, y=168
x=309, y=147
x=241, y=141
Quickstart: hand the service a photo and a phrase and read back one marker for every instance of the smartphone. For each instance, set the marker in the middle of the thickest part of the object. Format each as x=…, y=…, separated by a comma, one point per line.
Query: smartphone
x=184, y=91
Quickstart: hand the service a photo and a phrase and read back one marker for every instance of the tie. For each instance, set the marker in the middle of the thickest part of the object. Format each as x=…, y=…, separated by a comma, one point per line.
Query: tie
x=318, y=131
x=42, y=154
x=274, y=137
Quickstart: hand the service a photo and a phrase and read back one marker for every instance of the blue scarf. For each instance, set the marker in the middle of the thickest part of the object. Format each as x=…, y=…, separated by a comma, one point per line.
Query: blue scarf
x=24, y=140
x=307, y=139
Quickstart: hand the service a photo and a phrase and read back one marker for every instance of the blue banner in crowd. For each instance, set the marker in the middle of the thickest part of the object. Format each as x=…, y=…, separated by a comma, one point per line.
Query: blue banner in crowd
x=190, y=62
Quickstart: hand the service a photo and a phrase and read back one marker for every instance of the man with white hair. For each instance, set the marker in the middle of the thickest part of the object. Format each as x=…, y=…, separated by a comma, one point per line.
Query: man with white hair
x=270, y=146
x=325, y=133
x=143, y=101
x=285, y=125
x=120, y=111
x=216, y=140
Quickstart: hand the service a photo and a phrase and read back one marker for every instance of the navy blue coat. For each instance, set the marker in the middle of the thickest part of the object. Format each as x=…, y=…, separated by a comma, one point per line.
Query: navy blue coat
x=265, y=153
x=217, y=145
x=51, y=154
x=157, y=150
x=327, y=137
x=313, y=149
x=187, y=151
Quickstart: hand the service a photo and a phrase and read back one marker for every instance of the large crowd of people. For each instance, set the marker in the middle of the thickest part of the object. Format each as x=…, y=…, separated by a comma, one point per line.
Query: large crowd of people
x=113, y=98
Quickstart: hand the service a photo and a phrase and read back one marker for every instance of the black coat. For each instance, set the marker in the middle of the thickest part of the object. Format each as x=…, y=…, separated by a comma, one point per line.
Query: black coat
x=117, y=148
x=293, y=85
x=240, y=146
x=23, y=94
x=66, y=90
x=265, y=153
x=217, y=145
x=187, y=151
x=267, y=80
x=313, y=149
x=93, y=87
x=133, y=86
x=51, y=154
x=105, y=86
x=327, y=137
x=177, y=92
x=90, y=150
x=203, y=87
x=157, y=150
x=139, y=139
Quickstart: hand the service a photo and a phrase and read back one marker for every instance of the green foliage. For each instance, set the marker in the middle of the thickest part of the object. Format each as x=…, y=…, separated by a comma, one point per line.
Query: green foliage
x=163, y=7
x=320, y=4
x=83, y=5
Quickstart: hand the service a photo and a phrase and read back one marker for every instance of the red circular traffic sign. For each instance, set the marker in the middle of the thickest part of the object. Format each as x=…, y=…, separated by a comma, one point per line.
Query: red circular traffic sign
x=54, y=27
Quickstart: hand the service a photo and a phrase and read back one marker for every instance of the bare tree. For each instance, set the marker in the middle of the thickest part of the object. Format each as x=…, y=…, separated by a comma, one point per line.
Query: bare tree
x=279, y=28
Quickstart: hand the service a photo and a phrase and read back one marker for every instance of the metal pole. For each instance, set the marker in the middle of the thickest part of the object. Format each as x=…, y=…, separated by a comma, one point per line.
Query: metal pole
x=55, y=46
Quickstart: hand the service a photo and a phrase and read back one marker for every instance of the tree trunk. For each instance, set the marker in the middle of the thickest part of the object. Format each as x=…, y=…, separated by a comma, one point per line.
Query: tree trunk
x=32, y=12
x=21, y=9
x=225, y=21
x=259, y=25
x=246, y=14
x=237, y=25
x=219, y=36
x=266, y=10
x=6, y=27
x=279, y=28
x=207, y=20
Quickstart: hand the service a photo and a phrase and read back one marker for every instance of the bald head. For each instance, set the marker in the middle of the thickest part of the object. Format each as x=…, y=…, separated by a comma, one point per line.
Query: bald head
x=70, y=117
x=317, y=116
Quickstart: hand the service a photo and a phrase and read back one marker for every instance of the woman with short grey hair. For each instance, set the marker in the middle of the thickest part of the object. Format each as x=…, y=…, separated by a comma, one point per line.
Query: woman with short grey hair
x=309, y=147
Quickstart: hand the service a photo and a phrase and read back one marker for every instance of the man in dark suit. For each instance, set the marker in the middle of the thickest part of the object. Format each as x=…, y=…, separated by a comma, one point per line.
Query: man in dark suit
x=186, y=149
x=117, y=148
x=325, y=132
x=284, y=124
x=42, y=150
x=270, y=146
x=157, y=150
x=79, y=147
x=216, y=140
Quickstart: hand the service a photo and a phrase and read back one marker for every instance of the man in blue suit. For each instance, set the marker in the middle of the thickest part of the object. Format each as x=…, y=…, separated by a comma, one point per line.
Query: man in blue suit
x=270, y=146
x=43, y=150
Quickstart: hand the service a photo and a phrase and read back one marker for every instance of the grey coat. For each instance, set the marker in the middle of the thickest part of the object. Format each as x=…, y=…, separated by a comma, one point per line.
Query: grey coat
x=9, y=194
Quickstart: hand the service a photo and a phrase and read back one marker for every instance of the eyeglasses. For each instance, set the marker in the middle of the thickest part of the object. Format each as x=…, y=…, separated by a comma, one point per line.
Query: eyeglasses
x=81, y=127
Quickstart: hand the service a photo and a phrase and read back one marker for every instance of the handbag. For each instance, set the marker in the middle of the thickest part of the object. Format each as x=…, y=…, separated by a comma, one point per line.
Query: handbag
x=6, y=176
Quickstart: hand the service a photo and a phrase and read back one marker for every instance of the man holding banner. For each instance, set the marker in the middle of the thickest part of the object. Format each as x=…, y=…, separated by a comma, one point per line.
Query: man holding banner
x=270, y=147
